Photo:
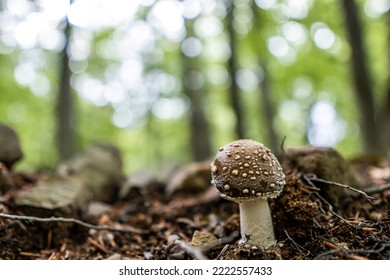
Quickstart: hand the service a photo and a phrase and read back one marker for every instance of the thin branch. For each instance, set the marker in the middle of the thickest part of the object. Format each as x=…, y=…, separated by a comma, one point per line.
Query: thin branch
x=230, y=238
x=347, y=252
x=296, y=244
x=5, y=227
x=196, y=253
x=309, y=180
x=316, y=179
x=223, y=251
x=218, y=243
x=70, y=220
x=282, y=146
x=378, y=189
x=330, y=207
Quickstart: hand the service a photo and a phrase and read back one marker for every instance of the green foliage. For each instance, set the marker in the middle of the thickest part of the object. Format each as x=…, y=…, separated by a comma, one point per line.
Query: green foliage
x=296, y=84
x=31, y=116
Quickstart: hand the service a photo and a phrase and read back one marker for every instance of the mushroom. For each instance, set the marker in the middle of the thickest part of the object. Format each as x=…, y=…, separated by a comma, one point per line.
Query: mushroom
x=246, y=172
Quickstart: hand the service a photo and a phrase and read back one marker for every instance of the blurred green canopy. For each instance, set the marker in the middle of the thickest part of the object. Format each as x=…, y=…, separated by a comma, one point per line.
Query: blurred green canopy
x=140, y=71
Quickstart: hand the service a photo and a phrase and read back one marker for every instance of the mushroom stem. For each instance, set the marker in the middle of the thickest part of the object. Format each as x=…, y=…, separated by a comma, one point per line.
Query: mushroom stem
x=256, y=223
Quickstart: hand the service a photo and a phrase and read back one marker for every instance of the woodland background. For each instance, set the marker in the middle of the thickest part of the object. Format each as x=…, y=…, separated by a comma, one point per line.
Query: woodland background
x=173, y=80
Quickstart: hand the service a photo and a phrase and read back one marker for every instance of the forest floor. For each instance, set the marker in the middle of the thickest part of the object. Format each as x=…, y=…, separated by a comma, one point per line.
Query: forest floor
x=185, y=218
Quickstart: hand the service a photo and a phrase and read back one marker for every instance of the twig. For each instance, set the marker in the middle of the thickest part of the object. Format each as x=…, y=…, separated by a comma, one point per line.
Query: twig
x=70, y=220
x=230, y=238
x=282, y=146
x=336, y=248
x=196, y=253
x=365, y=223
x=347, y=252
x=5, y=227
x=98, y=245
x=316, y=179
x=378, y=189
x=330, y=207
x=29, y=254
x=330, y=244
x=296, y=244
x=223, y=251
x=218, y=243
x=309, y=180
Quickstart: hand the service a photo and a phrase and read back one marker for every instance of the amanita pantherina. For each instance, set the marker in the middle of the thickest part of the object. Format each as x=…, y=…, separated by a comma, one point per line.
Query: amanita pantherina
x=246, y=172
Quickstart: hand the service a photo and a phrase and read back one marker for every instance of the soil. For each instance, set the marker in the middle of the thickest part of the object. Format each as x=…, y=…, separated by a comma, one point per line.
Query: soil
x=309, y=223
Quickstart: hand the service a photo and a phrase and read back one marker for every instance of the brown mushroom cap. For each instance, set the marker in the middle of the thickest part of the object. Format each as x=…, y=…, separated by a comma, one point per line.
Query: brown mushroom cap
x=247, y=170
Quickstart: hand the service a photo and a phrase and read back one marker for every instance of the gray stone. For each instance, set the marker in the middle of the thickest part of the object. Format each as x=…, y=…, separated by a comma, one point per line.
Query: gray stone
x=92, y=176
x=62, y=195
x=99, y=168
x=97, y=209
x=135, y=182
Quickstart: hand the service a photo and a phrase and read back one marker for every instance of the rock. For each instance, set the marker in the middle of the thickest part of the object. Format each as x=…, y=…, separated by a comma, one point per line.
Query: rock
x=92, y=176
x=135, y=182
x=96, y=209
x=99, y=168
x=204, y=241
x=324, y=163
x=172, y=238
x=193, y=177
x=10, y=151
x=61, y=195
x=114, y=257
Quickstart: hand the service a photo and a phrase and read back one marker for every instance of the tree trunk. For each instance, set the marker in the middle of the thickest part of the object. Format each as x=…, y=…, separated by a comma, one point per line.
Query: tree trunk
x=264, y=89
x=200, y=139
x=268, y=111
x=234, y=90
x=65, y=105
x=361, y=76
x=384, y=121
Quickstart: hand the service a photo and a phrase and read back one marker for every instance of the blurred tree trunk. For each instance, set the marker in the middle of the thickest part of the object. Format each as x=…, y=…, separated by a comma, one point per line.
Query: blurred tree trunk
x=234, y=90
x=194, y=88
x=65, y=105
x=265, y=94
x=362, y=79
x=384, y=123
x=268, y=111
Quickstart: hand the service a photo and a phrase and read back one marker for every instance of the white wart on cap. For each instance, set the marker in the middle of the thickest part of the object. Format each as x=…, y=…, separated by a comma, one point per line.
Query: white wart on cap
x=245, y=170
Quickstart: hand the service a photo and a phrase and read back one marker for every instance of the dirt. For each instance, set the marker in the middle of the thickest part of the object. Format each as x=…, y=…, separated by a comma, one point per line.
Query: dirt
x=308, y=223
